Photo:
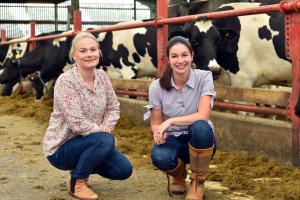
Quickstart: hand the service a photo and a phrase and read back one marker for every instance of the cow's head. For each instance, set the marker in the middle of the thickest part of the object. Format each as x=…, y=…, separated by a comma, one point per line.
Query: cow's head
x=204, y=39
x=12, y=70
x=9, y=71
x=213, y=45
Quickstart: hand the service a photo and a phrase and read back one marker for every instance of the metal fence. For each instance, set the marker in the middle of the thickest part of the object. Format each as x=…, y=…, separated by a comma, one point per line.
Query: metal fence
x=15, y=18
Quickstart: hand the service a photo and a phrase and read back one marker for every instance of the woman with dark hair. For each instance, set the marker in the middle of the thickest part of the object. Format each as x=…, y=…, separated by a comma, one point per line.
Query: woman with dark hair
x=180, y=103
x=79, y=137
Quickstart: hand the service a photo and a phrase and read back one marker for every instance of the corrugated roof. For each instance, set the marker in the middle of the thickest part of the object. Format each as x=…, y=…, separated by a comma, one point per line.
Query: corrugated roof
x=33, y=1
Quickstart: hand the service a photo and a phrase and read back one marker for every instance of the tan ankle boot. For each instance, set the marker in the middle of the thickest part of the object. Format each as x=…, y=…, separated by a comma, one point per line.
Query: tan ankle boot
x=78, y=188
x=199, y=163
x=178, y=186
x=87, y=182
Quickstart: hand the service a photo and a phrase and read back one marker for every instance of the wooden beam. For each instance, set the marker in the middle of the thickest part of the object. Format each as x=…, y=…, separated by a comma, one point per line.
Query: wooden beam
x=255, y=95
x=251, y=95
x=139, y=85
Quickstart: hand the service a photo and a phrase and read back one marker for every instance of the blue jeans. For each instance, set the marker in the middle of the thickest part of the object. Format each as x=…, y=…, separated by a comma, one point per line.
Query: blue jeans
x=93, y=154
x=165, y=156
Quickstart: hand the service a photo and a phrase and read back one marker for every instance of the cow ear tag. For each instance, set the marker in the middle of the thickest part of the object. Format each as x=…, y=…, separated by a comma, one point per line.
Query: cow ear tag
x=18, y=56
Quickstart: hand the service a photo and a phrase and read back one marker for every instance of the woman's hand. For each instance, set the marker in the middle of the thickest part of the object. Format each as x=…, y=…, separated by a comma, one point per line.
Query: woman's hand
x=160, y=134
x=164, y=126
x=104, y=128
x=159, y=137
x=159, y=126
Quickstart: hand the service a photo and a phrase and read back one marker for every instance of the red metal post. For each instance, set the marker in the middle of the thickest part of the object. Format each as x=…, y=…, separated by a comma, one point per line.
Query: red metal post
x=3, y=35
x=292, y=33
x=32, y=35
x=162, y=34
x=77, y=20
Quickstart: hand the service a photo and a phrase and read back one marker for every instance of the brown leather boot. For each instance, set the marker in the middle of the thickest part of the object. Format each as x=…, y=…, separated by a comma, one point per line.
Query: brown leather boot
x=177, y=186
x=199, y=163
x=86, y=180
x=78, y=188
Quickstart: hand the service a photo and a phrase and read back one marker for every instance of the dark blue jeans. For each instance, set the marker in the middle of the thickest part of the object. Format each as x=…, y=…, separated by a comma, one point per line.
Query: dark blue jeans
x=165, y=156
x=93, y=154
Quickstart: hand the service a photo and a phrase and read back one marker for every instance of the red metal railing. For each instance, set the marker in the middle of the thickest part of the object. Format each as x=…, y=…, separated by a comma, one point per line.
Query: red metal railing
x=285, y=7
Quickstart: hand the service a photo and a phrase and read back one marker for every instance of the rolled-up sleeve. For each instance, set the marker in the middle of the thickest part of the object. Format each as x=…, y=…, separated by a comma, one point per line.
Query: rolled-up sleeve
x=208, y=87
x=112, y=111
x=67, y=100
x=154, y=95
x=154, y=99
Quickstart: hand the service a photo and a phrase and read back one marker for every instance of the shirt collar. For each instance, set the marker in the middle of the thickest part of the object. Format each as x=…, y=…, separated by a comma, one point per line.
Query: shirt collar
x=80, y=80
x=190, y=82
x=76, y=74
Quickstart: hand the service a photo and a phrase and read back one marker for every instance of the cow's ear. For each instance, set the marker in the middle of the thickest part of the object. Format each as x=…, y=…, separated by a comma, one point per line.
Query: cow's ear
x=188, y=29
x=177, y=33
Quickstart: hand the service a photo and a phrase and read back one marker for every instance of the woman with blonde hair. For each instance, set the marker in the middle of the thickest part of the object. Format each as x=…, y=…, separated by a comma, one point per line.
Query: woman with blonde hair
x=79, y=137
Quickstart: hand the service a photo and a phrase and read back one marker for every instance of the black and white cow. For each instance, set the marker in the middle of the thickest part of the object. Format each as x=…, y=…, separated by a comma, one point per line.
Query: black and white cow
x=131, y=53
x=49, y=55
x=126, y=54
x=249, y=49
x=10, y=52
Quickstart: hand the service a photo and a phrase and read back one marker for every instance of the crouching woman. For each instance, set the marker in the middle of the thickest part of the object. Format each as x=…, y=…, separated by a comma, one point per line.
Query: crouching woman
x=180, y=102
x=79, y=137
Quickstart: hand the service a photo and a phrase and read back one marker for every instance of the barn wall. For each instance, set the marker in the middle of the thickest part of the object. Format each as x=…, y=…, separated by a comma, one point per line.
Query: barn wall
x=253, y=134
x=93, y=15
x=235, y=132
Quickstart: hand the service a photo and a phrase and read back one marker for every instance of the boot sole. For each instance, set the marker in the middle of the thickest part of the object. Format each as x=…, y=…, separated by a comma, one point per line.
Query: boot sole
x=70, y=193
x=178, y=193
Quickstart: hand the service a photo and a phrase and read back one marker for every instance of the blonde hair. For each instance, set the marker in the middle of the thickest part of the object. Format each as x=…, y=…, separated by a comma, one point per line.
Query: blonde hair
x=78, y=37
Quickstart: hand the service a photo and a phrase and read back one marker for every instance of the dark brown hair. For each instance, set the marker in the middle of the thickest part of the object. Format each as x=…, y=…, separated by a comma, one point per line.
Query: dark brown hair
x=165, y=79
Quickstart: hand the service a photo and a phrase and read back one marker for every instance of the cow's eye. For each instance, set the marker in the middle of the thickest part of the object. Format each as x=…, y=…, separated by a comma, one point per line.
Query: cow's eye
x=226, y=34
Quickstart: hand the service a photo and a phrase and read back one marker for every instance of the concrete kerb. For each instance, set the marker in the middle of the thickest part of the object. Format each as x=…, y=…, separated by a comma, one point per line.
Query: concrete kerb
x=234, y=132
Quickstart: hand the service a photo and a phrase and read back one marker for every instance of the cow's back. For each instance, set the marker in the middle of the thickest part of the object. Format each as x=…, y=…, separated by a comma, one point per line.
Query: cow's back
x=129, y=53
x=260, y=47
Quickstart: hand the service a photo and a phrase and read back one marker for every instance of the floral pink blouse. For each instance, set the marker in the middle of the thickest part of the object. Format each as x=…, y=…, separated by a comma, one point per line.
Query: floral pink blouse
x=79, y=110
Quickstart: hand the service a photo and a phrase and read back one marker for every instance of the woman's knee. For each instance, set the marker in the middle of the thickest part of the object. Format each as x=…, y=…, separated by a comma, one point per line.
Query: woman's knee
x=201, y=134
x=163, y=159
x=126, y=171
x=105, y=141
